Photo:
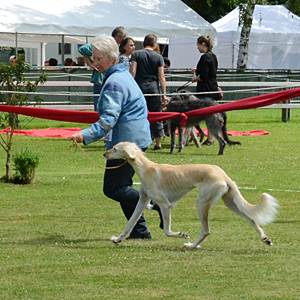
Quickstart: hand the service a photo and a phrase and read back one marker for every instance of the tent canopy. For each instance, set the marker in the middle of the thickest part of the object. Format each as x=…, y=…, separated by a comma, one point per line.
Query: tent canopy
x=28, y=24
x=78, y=19
x=274, y=39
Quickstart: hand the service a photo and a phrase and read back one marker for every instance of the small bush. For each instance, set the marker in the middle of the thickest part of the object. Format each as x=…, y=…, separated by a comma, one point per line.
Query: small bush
x=25, y=163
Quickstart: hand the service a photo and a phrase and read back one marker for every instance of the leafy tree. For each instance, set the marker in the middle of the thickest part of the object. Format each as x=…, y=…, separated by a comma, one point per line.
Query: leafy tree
x=213, y=10
x=12, y=79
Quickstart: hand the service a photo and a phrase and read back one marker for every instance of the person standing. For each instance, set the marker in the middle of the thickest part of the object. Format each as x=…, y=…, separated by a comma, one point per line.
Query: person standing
x=127, y=47
x=118, y=34
x=12, y=59
x=122, y=109
x=206, y=75
x=147, y=67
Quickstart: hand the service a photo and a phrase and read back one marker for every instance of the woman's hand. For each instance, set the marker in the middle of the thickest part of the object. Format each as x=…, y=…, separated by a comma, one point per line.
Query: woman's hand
x=78, y=137
x=195, y=78
x=164, y=101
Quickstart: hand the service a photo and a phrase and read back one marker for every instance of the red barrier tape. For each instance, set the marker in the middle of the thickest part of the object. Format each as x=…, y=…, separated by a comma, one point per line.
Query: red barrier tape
x=92, y=117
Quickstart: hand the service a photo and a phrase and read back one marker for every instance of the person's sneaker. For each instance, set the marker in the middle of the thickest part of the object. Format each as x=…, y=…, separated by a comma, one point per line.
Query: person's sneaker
x=146, y=236
x=156, y=148
x=208, y=143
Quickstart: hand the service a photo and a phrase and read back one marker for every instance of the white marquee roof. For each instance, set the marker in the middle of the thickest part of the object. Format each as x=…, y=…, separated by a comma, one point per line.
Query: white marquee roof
x=39, y=21
x=274, y=41
x=266, y=19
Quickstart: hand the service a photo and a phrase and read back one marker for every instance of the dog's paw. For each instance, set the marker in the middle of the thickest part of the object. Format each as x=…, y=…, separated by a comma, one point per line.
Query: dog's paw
x=149, y=206
x=183, y=235
x=115, y=239
x=267, y=241
x=190, y=245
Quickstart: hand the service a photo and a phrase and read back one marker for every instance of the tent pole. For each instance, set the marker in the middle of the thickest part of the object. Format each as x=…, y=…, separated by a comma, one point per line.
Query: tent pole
x=62, y=50
x=43, y=53
x=232, y=62
x=16, y=54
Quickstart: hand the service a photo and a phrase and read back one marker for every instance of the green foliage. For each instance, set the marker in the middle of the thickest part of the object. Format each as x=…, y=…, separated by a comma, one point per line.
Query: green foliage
x=54, y=238
x=25, y=163
x=213, y=10
x=12, y=78
x=13, y=81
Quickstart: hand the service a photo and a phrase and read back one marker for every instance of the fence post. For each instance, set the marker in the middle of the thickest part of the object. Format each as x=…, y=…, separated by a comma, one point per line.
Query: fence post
x=286, y=112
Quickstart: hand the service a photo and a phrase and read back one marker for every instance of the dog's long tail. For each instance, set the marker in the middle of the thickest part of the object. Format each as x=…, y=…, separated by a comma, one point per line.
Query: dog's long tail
x=262, y=213
x=225, y=134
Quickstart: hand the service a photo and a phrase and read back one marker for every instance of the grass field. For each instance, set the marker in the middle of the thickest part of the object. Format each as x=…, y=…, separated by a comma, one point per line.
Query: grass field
x=54, y=234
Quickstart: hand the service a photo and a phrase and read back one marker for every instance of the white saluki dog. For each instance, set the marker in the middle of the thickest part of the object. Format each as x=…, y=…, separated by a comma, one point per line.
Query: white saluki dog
x=165, y=184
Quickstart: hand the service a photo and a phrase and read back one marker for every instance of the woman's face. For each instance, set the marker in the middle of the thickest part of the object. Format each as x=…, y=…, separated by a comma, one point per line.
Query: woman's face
x=201, y=47
x=129, y=47
x=101, y=61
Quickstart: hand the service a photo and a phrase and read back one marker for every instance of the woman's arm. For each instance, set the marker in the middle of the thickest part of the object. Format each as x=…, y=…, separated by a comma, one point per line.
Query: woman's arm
x=162, y=80
x=133, y=68
x=111, y=108
x=86, y=51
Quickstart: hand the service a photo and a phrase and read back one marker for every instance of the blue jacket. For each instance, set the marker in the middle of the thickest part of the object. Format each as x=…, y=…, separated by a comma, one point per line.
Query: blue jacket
x=122, y=111
x=87, y=50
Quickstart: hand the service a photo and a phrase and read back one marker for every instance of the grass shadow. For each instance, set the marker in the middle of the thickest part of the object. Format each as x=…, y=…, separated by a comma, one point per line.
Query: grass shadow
x=57, y=239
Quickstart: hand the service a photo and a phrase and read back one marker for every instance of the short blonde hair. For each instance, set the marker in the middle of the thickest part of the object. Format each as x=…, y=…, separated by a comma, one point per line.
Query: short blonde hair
x=108, y=46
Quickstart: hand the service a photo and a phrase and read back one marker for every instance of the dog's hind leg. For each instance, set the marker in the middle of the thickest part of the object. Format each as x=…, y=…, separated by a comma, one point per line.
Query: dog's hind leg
x=225, y=133
x=140, y=207
x=201, y=132
x=207, y=198
x=231, y=205
x=218, y=135
x=222, y=144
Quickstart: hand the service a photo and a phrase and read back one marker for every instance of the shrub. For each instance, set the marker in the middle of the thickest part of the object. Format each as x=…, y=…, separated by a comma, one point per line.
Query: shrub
x=25, y=163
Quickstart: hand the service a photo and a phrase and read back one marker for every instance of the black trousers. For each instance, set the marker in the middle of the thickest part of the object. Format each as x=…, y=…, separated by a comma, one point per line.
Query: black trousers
x=118, y=186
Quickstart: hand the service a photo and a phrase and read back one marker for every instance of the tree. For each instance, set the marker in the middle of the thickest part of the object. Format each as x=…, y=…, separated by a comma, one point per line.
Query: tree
x=245, y=20
x=213, y=10
x=12, y=80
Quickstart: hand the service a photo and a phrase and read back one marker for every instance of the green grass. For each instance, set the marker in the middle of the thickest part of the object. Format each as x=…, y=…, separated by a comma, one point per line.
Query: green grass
x=54, y=234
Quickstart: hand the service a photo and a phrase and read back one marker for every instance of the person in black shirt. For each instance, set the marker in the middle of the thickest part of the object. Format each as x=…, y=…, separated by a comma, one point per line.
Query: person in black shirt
x=147, y=67
x=206, y=75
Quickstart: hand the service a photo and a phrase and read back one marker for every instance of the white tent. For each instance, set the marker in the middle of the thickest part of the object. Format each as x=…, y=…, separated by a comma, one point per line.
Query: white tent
x=274, y=39
x=30, y=23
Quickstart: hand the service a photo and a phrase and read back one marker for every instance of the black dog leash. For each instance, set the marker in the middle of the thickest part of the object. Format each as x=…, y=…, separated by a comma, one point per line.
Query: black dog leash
x=183, y=86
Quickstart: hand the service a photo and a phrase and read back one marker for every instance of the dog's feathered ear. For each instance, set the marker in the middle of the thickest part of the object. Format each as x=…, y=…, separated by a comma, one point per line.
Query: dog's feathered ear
x=131, y=151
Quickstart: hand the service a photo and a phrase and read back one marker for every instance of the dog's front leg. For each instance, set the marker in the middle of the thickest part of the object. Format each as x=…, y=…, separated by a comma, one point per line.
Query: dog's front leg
x=180, y=139
x=173, y=137
x=140, y=207
x=166, y=213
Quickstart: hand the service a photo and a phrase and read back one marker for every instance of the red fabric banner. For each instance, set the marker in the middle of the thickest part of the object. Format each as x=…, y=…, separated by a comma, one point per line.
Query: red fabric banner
x=68, y=132
x=92, y=117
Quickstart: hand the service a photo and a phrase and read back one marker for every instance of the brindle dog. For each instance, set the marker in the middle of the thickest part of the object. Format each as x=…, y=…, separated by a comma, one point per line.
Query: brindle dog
x=216, y=123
